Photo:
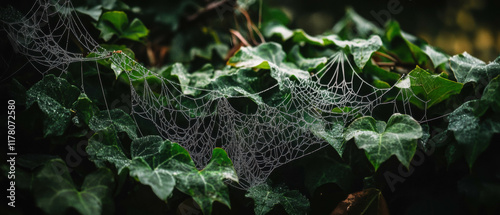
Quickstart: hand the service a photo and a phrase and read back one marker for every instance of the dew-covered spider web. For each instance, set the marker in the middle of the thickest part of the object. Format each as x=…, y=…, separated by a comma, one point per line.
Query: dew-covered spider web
x=311, y=115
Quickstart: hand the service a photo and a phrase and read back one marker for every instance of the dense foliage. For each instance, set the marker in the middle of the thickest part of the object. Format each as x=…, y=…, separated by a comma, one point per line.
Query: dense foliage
x=83, y=152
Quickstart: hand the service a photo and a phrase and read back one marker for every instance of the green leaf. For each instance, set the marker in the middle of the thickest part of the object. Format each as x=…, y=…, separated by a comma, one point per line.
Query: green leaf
x=429, y=89
x=266, y=197
x=321, y=169
x=155, y=161
x=125, y=63
x=163, y=165
x=437, y=57
x=380, y=140
x=333, y=136
x=267, y=56
x=54, y=97
x=116, y=23
x=85, y=109
x=491, y=94
x=408, y=48
x=352, y=26
x=306, y=64
x=360, y=49
x=467, y=68
x=105, y=146
x=190, y=83
x=207, y=185
x=472, y=134
x=120, y=120
x=55, y=191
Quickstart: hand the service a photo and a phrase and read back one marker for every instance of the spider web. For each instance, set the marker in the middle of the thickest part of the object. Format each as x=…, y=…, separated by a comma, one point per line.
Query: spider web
x=257, y=142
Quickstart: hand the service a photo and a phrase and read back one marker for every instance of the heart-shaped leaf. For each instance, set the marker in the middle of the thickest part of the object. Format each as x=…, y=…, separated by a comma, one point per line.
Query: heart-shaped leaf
x=266, y=197
x=116, y=23
x=55, y=191
x=380, y=140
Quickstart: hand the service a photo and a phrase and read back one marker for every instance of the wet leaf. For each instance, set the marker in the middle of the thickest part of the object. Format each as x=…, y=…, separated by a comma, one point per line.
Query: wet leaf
x=266, y=197
x=380, y=140
x=467, y=68
x=54, y=97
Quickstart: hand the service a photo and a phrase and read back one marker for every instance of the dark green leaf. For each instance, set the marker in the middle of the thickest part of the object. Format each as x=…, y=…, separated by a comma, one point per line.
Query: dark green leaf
x=467, y=68
x=85, y=109
x=471, y=133
x=429, y=89
x=54, y=97
x=380, y=140
x=266, y=197
x=55, y=191
x=162, y=165
x=352, y=26
x=306, y=64
x=116, y=23
x=491, y=94
x=120, y=121
x=267, y=56
x=400, y=43
x=333, y=136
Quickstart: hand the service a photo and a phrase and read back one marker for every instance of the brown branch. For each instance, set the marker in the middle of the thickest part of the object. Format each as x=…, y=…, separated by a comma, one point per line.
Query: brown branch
x=249, y=24
x=386, y=56
x=240, y=37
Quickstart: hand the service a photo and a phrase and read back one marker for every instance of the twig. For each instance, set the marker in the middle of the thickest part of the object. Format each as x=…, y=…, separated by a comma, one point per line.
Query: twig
x=239, y=36
x=386, y=56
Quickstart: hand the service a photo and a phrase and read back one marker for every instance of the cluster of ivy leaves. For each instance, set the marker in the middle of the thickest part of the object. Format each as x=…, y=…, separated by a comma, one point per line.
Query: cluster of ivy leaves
x=82, y=151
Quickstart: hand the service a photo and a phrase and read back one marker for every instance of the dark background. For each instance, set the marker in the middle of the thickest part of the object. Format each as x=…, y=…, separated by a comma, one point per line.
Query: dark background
x=452, y=25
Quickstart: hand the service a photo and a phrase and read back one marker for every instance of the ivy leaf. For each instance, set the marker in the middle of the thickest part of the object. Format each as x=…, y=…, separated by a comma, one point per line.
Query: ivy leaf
x=380, y=140
x=117, y=118
x=267, y=56
x=306, y=64
x=352, y=26
x=266, y=197
x=467, y=68
x=360, y=49
x=399, y=43
x=333, y=135
x=116, y=23
x=84, y=108
x=190, y=83
x=54, y=97
x=163, y=165
x=491, y=94
x=322, y=169
x=55, y=191
x=437, y=57
x=104, y=146
x=369, y=201
x=207, y=185
x=125, y=63
x=154, y=162
x=429, y=88
x=471, y=133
